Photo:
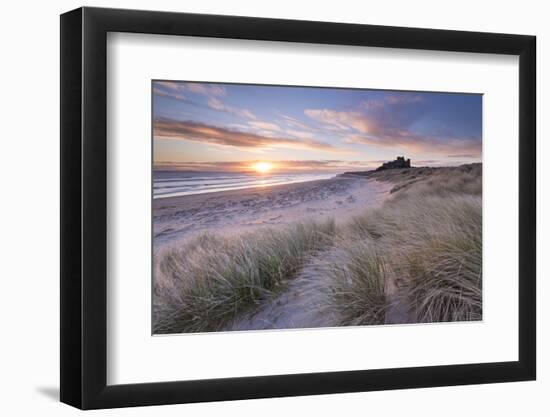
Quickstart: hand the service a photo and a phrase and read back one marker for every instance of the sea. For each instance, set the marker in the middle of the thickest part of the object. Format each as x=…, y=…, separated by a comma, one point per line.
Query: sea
x=180, y=183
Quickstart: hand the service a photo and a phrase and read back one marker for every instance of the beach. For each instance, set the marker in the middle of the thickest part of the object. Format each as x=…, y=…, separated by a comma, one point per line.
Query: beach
x=360, y=248
x=237, y=211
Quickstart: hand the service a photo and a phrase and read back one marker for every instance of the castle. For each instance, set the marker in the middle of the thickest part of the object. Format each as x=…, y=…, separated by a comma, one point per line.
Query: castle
x=400, y=162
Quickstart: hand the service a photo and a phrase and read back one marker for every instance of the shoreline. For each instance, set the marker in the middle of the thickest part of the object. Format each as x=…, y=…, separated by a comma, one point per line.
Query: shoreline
x=176, y=218
x=240, y=187
x=255, y=188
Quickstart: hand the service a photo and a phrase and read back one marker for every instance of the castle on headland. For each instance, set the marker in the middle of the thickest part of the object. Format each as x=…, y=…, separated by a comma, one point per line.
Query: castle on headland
x=400, y=162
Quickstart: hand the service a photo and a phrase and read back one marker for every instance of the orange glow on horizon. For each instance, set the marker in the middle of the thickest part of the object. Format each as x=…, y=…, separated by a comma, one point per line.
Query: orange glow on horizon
x=262, y=167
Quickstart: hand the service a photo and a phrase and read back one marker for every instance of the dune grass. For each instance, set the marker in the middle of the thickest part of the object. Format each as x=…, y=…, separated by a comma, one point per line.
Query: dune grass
x=465, y=179
x=354, y=286
x=421, y=251
x=201, y=286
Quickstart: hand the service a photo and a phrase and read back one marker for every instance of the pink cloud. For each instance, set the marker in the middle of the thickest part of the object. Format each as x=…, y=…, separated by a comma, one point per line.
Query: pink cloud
x=199, y=132
x=405, y=141
x=265, y=126
x=386, y=123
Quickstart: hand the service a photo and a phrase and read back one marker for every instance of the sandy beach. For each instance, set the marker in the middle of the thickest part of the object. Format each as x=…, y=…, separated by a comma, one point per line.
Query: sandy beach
x=177, y=218
x=326, y=259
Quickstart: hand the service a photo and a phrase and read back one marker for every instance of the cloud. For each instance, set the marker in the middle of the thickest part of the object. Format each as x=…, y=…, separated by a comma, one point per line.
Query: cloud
x=464, y=155
x=273, y=130
x=199, y=132
x=170, y=85
x=299, y=129
x=168, y=89
x=217, y=104
x=374, y=116
x=388, y=123
x=343, y=120
x=406, y=98
x=177, y=90
x=299, y=134
x=403, y=140
x=438, y=163
x=163, y=93
x=210, y=90
x=265, y=126
x=291, y=121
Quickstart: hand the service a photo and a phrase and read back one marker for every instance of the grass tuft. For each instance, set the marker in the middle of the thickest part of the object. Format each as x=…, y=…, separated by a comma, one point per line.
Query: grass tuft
x=202, y=285
x=356, y=278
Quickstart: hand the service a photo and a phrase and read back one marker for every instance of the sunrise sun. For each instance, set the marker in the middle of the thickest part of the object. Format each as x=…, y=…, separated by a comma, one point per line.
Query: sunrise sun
x=262, y=167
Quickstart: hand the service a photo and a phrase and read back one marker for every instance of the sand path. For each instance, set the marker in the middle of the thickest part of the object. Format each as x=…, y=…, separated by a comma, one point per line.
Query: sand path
x=299, y=306
x=302, y=305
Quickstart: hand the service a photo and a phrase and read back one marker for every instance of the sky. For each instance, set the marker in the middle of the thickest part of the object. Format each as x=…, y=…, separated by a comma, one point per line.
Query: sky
x=240, y=127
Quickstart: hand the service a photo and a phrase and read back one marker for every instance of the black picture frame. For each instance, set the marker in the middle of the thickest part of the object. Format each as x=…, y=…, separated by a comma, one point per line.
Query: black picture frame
x=84, y=207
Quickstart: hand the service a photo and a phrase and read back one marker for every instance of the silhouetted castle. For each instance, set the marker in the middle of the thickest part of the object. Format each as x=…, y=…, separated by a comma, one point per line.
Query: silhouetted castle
x=400, y=162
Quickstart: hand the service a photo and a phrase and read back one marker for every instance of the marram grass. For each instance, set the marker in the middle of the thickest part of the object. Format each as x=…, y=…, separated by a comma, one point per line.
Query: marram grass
x=212, y=279
x=429, y=262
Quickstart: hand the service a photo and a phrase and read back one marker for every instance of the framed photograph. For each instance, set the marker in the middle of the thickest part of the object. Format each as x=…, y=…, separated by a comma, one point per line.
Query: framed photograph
x=257, y=207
